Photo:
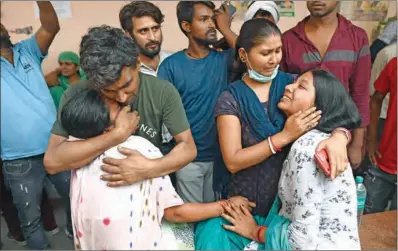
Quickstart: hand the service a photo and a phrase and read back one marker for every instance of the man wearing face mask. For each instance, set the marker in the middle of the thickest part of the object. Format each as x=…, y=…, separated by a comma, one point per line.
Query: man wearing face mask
x=327, y=40
x=200, y=74
x=27, y=116
x=142, y=20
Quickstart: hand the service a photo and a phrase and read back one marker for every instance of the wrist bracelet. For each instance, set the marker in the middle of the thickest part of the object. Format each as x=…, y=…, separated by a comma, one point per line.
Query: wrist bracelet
x=346, y=132
x=259, y=233
x=277, y=149
x=271, y=146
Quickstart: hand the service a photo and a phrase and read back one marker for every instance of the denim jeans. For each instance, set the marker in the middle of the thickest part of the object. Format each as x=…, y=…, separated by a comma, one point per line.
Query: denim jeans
x=25, y=178
x=381, y=187
x=61, y=182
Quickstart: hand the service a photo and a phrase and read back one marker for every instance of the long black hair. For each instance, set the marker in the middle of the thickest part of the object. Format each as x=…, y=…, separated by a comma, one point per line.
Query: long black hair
x=332, y=98
x=252, y=33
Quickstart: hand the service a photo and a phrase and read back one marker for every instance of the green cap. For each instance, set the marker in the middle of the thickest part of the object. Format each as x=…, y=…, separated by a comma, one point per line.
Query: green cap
x=69, y=56
x=359, y=179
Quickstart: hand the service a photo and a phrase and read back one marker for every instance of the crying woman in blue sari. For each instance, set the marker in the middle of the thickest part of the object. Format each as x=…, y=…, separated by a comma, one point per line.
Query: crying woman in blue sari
x=254, y=135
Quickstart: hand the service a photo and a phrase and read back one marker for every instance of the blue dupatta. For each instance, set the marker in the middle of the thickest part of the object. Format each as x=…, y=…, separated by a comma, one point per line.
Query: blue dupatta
x=253, y=111
x=254, y=116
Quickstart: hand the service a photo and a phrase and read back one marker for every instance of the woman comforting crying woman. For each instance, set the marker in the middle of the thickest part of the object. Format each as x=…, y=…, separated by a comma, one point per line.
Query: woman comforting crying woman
x=268, y=145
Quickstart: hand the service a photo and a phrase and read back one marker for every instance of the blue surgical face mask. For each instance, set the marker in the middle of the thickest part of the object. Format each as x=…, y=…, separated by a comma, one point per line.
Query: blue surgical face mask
x=259, y=77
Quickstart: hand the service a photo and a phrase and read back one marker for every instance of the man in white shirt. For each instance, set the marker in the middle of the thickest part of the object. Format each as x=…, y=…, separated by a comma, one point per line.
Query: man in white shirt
x=147, y=69
x=142, y=21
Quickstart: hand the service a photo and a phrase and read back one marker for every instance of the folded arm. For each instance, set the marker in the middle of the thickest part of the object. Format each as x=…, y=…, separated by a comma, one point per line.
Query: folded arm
x=52, y=78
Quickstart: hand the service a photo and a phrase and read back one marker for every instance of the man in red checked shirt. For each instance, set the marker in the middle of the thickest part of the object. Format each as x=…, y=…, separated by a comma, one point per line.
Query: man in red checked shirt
x=381, y=178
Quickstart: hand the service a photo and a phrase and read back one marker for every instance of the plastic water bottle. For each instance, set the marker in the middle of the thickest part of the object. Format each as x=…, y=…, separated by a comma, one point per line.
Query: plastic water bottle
x=361, y=198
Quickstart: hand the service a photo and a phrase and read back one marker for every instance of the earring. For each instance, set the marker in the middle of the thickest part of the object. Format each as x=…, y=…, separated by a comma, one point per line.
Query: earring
x=243, y=59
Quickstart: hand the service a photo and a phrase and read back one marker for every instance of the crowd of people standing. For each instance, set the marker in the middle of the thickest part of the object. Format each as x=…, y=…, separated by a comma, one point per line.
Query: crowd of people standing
x=210, y=147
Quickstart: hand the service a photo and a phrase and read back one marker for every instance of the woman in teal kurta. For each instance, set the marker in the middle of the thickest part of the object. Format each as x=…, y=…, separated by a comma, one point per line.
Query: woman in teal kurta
x=68, y=73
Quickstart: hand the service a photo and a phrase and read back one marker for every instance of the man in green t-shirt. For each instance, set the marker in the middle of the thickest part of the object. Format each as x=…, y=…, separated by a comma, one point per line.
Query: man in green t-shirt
x=110, y=59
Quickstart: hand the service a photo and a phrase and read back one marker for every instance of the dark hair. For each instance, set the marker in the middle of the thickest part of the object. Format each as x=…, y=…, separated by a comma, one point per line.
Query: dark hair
x=252, y=33
x=332, y=98
x=85, y=115
x=263, y=13
x=185, y=11
x=104, y=52
x=260, y=12
x=138, y=9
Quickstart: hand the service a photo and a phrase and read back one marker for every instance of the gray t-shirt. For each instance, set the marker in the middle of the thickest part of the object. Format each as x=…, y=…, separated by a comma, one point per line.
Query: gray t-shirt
x=389, y=34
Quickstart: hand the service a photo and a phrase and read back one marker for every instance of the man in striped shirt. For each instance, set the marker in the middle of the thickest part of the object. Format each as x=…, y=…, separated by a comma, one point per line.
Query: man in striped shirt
x=327, y=40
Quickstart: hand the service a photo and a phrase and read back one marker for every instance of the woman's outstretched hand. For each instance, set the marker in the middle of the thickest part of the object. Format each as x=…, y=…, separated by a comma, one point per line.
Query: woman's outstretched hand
x=242, y=221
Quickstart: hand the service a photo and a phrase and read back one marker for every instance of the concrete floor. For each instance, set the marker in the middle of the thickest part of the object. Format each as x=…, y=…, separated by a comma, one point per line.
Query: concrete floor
x=58, y=241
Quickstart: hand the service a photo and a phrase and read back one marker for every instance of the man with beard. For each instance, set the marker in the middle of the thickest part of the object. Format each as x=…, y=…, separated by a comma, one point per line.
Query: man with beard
x=200, y=74
x=27, y=115
x=142, y=21
x=327, y=40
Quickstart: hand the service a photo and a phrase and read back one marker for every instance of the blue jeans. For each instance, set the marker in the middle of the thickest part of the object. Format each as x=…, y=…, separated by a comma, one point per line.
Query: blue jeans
x=25, y=178
x=381, y=187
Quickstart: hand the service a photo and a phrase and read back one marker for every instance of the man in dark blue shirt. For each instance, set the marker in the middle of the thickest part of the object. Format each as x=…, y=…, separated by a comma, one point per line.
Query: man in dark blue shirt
x=200, y=74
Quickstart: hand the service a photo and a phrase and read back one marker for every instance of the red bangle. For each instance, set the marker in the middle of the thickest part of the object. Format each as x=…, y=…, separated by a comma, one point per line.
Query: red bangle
x=277, y=149
x=259, y=233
